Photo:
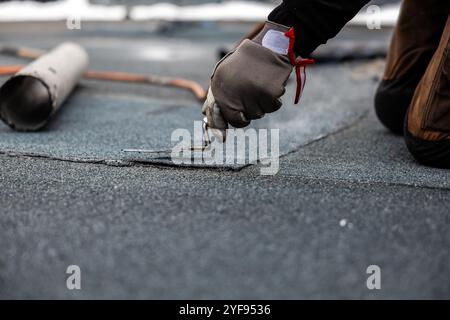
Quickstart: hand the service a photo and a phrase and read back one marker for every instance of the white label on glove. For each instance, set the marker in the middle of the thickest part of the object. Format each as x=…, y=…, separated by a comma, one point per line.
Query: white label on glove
x=276, y=41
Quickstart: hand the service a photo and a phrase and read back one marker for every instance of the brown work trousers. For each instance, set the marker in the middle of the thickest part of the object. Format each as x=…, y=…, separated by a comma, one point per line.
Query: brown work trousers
x=413, y=98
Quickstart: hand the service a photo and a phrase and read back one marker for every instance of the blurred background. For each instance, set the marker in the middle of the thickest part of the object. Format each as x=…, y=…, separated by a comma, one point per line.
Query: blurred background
x=176, y=1
x=146, y=9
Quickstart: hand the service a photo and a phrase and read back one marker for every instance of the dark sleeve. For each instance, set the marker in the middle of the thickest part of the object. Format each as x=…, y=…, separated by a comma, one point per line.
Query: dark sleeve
x=315, y=21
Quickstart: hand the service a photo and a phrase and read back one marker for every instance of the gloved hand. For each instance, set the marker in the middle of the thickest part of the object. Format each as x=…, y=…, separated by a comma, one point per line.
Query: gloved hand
x=249, y=81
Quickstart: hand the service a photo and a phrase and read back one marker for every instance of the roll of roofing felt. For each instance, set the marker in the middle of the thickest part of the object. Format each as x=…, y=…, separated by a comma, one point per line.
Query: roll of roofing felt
x=35, y=93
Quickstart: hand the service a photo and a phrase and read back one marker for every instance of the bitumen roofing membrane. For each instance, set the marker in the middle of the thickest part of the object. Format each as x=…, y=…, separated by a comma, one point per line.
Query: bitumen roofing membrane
x=348, y=194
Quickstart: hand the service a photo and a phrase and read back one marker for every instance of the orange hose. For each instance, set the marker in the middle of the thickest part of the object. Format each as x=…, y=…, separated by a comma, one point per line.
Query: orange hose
x=115, y=76
x=9, y=70
x=190, y=85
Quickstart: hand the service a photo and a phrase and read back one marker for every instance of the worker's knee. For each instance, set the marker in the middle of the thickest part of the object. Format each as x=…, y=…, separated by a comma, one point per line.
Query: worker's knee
x=391, y=104
x=427, y=125
x=429, y=153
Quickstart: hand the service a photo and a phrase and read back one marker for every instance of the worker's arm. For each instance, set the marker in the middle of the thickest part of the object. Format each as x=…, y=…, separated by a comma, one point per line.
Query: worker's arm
x=315, y=21
x=249, y=82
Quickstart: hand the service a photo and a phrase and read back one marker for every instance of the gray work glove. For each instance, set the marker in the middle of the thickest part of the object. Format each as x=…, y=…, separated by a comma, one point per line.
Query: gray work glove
x=249, y=81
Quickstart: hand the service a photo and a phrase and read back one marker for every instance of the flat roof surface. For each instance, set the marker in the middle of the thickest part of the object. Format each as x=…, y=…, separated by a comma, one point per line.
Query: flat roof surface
x=348, y=194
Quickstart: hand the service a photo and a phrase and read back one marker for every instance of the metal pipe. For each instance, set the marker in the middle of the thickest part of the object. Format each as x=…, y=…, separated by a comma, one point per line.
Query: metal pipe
x=35, y=93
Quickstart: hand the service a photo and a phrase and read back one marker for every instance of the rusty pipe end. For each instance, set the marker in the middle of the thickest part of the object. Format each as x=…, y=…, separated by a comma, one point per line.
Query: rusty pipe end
x=25, y=103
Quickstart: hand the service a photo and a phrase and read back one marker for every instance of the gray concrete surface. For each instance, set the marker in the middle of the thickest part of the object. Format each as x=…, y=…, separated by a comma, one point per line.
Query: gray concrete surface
x=349, y=200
